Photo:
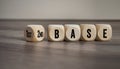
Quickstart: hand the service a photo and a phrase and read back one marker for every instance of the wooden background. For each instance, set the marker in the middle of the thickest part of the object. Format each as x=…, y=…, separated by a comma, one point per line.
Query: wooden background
x=16, y=53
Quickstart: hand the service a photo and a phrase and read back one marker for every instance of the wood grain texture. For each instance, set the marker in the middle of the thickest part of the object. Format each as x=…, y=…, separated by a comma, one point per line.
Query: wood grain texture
x=16, y=53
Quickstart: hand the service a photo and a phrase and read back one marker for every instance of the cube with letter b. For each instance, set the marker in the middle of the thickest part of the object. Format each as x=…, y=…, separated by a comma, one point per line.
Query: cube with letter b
x=34, y=33
x=56, y=32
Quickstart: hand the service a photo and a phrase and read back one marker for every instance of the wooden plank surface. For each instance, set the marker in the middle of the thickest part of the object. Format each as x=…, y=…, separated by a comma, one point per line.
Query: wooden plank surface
x=16, y=53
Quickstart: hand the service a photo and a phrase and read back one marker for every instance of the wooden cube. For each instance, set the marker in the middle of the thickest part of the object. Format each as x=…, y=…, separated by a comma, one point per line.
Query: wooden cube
x=88, y=32
x=72, y=32
x=34, y=33
x=104, y=32
x=56, y=32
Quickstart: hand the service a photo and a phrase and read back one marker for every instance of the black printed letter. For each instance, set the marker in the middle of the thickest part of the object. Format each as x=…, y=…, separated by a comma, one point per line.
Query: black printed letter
x=73, y=34
x=104, y=33
x=56, y=33
x=88, y=31
x=40, y=34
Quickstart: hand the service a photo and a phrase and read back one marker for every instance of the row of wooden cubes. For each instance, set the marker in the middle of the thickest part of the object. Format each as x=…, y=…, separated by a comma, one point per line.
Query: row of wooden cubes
x=69, y=32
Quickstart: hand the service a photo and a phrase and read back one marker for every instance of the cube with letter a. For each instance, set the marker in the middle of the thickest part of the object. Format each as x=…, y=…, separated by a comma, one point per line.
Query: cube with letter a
x=72, y=32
